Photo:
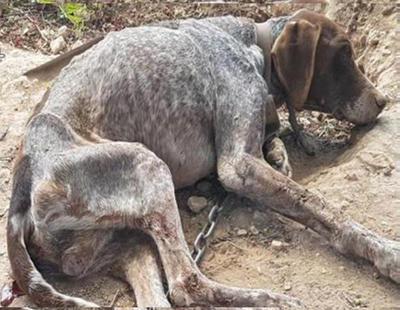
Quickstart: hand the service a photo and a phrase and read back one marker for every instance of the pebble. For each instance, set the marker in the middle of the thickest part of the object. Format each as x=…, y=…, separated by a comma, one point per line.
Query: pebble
x=57, y=45
x=254, y=230
x=374, y=42
x=63, y=31
x=204, y=186
x=276, y=244
x=242, y=232
x=287, y=287
x=197, y=203
x=351, y=177
x=388, y=11
x=76, y=44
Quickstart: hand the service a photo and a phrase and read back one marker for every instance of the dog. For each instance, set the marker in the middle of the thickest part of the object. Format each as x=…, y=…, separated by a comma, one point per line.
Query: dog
x=152, y=109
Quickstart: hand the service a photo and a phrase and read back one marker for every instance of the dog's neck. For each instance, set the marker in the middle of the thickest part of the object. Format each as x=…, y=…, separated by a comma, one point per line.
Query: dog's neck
x=266, y=35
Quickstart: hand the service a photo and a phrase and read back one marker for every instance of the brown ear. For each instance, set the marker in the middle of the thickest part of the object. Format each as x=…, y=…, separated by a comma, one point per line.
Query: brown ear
x=293, y=55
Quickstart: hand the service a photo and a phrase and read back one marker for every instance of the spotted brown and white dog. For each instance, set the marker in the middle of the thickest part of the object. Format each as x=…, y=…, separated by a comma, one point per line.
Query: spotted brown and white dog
x=151, y=109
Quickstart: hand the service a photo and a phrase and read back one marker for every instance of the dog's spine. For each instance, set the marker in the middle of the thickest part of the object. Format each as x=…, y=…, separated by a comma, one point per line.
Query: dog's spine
x=19, y=227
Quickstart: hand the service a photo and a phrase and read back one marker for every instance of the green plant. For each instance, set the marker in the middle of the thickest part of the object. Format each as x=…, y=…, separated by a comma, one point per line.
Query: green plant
x=76, y=13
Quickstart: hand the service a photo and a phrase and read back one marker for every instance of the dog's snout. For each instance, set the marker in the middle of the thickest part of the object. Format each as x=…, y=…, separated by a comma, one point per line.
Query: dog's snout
x=381, y=101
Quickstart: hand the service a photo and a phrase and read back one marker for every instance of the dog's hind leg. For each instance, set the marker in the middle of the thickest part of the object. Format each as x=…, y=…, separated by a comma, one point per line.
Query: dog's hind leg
x=143, y=272
x=187, y=285
x=125, y=186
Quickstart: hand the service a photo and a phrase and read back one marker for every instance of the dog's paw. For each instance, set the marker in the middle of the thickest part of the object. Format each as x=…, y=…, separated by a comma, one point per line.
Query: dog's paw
x=388, y=260
x=307, y=143
x=278, y=158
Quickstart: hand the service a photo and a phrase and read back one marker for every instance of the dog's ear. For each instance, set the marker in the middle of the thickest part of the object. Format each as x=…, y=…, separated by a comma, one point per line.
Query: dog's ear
x=293, y=56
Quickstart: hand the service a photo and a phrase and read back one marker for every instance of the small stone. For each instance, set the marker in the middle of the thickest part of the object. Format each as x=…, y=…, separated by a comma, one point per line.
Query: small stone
x=76, y=44
x=374, y=42
x=63, y=31
x=341, y=268
x=323, y=271
x=57, y=45
x=386, y=52
x=388, y=11
x=351, y=177
x=197, y=203
x=376, y=275
x=279, y=245
x=360, y=302
x=242, y=232
x=287, y=287
x=204, y=186
x=254, y=230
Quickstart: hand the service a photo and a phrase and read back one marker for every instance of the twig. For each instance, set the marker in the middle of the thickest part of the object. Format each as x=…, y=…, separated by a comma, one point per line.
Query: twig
x=3, y=135
x=114, y=300
x=37, y=27
x=236, y=246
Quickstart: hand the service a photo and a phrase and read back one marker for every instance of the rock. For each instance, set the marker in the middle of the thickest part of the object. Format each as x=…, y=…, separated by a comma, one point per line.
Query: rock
x=204, y=186
x=254, y=230
x=47, y=33
x=374, y=42
x=57, y=45
x=63, y=31
x=279, y=245
x=388, y=11
x=76, y=44
x=386, y=52
x=197, y=203
x=242, y=232
x=351, y=177
x=287, y=287
x=359, y=302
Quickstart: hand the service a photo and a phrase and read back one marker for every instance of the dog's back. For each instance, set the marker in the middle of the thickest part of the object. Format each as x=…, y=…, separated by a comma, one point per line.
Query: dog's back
x=146, y=84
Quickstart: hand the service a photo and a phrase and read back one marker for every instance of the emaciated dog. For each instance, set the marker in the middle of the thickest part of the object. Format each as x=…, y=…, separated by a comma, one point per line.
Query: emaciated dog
x=152, y=109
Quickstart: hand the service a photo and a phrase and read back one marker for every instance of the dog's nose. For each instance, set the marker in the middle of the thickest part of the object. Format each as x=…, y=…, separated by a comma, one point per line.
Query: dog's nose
x=381, y=101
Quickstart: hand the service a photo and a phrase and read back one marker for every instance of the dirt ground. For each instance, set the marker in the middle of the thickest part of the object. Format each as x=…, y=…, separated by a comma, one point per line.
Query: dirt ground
x=362, y=178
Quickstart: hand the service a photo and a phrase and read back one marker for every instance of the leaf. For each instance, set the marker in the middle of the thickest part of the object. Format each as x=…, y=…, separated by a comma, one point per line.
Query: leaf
x=46, y=1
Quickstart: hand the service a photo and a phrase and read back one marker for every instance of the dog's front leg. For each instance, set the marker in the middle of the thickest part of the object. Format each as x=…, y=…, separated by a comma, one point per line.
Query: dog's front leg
x=274, y=149
x=242, y=169
x=252, y=177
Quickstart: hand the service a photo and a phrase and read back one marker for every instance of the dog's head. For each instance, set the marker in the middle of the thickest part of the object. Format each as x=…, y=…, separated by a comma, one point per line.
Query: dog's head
x=314, y=61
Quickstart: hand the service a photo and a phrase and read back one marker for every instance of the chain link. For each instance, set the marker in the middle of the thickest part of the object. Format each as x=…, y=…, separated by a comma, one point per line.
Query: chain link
x=200, y=244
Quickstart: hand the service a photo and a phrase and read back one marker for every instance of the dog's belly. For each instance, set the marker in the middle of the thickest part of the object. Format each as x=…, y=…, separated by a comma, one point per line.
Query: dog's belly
x=180, y=134
x=165, y=102
x=182, y=139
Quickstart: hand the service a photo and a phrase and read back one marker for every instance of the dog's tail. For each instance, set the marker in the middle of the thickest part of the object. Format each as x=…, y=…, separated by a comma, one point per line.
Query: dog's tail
x=19, y=227
x=61, y=61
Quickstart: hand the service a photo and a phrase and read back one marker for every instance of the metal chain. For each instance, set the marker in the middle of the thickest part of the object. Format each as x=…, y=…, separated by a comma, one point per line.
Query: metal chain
x=200, y=244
